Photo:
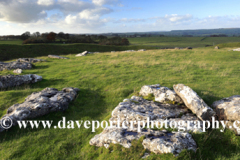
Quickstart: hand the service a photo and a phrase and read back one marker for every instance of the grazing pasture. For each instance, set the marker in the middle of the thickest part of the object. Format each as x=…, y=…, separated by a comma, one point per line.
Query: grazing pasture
x=105, y=79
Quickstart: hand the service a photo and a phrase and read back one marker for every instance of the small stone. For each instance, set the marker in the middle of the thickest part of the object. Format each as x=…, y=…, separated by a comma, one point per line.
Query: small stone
x=57, y=57
x=17, y=71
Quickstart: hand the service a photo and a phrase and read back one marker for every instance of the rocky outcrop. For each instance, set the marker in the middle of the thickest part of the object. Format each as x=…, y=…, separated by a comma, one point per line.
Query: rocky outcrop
x=15, y=65
x=162, y=94
x=155, y=141
x=57, y=57
x=29, y=60
x=17, y=80
x=194, y=102
x=41, y=103
x=17, y=71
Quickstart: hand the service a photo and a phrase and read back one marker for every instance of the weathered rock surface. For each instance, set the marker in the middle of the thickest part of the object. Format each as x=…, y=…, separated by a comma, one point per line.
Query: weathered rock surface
x=155, y=141
x=41, y=103
x=15, y=65
x=17, y=80
x=29, y=60
x=139, y=109
x=57, y=57
x=162, y=94
x=228, y=108
x=18, y=71
x=194, y=102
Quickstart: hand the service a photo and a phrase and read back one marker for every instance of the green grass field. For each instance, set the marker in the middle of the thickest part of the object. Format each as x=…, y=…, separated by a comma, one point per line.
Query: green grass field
x=171, y=42
x=105, y=79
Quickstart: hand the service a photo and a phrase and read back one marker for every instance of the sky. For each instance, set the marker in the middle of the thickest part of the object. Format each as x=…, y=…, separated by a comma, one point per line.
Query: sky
x=106, y=16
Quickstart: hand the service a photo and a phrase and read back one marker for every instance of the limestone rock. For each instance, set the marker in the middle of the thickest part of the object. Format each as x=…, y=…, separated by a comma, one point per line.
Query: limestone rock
x=15, y=65
x=162, y=94
x=228, y=108
x=155, y=141
x=194, y=102
x=139, y=109
x=83, y=54
x=57, y=57
x=141, y=50
x=18, y=71
x=238, y=49
x=170, y=143
x=29, y=60
x=17, y=80
x=41, y=103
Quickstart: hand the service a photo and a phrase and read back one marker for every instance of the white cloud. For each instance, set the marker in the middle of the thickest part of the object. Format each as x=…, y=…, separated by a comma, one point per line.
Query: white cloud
x=45, y=2
x=176, y=17
x=103, y=2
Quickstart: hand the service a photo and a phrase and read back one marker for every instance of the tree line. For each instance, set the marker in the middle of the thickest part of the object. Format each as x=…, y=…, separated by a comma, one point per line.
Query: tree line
x=62, y=37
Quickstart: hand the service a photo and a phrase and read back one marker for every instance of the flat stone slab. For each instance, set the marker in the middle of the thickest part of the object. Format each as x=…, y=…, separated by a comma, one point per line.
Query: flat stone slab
x=15, y=65
x=139, y=109
x=194, y=102
x=17, y=80
x=156, y=141
x=41, y=103
x=29, y=60
x=162, y=94
x=57, y=57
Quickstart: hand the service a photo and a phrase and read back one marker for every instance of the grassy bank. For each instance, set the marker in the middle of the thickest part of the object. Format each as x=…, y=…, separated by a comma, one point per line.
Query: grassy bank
x=105, y=79
x=10, y=51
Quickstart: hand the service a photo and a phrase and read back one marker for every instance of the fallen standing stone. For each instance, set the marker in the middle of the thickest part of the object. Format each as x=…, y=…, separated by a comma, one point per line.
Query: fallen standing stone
x=57, y=57
x=17, y=80
x=194, y=102
x=156, y=141
x=162, y=94
x=228, y=109
x=41, y=103
x=15, y=65
x=29, y=60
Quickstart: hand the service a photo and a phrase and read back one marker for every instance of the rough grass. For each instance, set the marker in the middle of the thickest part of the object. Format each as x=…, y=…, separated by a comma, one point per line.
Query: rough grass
x=105, y=79
x=171, y=42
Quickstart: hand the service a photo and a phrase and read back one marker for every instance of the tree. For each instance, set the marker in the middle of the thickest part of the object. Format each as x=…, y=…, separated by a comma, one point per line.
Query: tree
x=51, y=36
x=25, y=35
x=61, y=35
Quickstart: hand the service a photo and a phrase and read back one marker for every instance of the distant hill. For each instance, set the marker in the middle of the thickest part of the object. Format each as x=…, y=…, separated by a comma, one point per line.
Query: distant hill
x=230, y=32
